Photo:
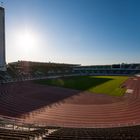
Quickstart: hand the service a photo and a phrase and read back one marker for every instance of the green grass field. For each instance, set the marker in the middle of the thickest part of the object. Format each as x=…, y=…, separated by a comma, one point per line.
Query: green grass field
x=110, y=85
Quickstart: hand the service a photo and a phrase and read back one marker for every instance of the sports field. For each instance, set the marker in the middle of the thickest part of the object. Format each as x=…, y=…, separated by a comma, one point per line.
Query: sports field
x=110, y=85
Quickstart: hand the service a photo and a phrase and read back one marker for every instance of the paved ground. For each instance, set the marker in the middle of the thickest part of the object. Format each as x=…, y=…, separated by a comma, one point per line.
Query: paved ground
x=35, y=103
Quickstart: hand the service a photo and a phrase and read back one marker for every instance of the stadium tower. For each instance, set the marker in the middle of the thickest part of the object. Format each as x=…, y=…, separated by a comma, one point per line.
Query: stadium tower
x=2, y=40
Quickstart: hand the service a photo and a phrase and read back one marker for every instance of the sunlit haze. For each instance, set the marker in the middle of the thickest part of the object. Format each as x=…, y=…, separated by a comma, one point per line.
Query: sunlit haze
x=84, y=32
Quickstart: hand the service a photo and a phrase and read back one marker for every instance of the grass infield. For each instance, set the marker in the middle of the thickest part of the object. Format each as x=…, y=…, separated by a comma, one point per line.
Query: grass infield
x=110, y=85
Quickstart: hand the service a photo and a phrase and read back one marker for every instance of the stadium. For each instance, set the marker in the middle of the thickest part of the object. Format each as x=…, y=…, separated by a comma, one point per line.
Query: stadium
x=60, y=101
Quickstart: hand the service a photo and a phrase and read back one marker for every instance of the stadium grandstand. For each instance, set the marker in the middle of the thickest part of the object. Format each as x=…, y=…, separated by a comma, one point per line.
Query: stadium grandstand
x=114, y=69
x=27, y=70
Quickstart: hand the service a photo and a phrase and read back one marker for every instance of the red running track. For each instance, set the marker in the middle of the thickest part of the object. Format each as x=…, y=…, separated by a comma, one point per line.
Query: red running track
x=54, y=106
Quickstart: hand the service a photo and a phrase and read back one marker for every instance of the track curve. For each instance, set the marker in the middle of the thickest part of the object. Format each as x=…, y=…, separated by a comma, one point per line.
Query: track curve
x=56, y=106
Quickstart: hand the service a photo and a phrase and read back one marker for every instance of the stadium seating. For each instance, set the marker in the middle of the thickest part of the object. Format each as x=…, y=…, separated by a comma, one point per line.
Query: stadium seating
x=121, y=133
x=32, y=132
x=28, y=70
x=10, y=130
x=20, y=134
x=39, y=69
x=114, y=69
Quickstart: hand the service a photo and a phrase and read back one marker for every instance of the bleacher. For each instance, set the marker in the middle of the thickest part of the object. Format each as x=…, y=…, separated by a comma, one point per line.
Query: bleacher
x=10, y=130
x=26, y=69
x=17, y=131
x=114, y=69
x=4, y=76
x=21, y=134
x=120, y=133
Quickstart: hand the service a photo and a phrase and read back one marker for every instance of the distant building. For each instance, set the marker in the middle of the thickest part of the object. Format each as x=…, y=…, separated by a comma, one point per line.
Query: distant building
x=2, y=40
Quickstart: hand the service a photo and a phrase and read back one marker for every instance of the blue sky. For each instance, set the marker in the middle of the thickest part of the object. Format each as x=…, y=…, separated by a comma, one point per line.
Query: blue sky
x=84, y=32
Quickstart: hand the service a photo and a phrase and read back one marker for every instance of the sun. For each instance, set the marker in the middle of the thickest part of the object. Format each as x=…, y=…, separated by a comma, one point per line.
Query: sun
x=26, y=40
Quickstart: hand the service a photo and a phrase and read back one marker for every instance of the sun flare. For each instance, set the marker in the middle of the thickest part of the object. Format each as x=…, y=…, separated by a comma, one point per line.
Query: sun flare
x=26, y=40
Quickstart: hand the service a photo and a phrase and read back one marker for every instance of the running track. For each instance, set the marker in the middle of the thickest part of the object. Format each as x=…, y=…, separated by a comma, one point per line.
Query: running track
x=54, y=106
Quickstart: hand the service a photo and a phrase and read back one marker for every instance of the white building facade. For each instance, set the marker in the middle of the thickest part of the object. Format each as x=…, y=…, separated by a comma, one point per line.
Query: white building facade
x=2, y=40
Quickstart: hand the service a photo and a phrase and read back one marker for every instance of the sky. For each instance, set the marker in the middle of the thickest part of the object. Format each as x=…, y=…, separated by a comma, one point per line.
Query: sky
x=87, y=32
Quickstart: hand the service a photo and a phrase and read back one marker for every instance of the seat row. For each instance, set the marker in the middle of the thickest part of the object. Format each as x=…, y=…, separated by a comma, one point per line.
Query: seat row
x=131, y=132
x=11, y=134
